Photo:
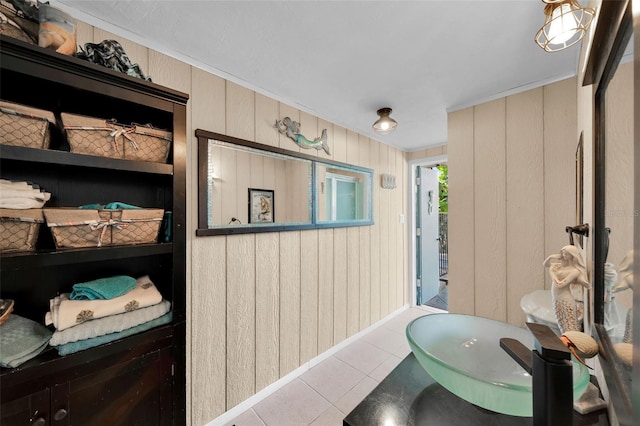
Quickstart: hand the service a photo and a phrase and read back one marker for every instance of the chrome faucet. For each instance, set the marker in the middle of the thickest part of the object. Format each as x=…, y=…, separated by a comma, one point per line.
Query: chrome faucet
x=549, y=365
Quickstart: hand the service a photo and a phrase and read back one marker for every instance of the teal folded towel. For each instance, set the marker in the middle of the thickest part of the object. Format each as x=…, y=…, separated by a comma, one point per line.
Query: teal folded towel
x=114, y=205
x=21, y=339
x=117, y=205
x=92, y=206
x=103, y=288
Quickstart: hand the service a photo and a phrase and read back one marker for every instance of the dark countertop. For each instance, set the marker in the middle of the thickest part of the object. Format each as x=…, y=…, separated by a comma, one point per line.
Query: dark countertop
x=408, y=396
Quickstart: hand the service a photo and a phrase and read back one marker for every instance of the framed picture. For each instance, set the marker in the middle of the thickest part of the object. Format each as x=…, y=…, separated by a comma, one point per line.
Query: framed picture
x=261, y=206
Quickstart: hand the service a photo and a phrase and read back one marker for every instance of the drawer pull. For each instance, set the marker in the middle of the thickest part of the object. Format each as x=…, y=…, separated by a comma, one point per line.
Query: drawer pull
x=39, y=422
x=60, y=414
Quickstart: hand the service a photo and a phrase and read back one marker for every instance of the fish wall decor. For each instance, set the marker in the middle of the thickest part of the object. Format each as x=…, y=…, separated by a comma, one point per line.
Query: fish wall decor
x=291, y=129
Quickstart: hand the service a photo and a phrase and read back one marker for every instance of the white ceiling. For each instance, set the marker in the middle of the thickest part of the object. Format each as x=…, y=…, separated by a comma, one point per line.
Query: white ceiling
x=342, y=60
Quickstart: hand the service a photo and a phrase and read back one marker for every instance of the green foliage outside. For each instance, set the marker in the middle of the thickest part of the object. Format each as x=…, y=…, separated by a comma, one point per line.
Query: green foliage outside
x=443, y=178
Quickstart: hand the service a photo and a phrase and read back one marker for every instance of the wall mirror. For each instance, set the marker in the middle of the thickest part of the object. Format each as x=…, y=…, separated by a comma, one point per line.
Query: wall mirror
x=610, y=68
x=342, y=194
x=619, y=192
x=246, y=187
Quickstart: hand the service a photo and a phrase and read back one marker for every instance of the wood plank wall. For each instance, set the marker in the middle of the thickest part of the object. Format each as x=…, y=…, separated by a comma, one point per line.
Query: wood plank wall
x=511, y=194
x=426, y=153
x=261, y=305
x=308, y=290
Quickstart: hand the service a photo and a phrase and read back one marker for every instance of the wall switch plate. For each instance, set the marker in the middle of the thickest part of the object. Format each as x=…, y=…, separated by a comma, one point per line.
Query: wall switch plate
x=401, y=218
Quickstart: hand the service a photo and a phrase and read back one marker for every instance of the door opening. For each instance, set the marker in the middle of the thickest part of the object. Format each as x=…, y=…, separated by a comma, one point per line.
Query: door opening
x=430, y=214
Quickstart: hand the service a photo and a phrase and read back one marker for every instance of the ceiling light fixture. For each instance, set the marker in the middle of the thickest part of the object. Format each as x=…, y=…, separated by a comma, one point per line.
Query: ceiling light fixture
x=384, y=124
x=565, y=24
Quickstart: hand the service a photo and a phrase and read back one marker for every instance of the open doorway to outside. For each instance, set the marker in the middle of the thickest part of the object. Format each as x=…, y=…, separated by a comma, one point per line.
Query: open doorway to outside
x=429, y=232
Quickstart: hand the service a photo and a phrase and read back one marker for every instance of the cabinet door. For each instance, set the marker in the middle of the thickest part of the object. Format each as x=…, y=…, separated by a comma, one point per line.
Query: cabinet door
x=136, y=392
x=29, y=410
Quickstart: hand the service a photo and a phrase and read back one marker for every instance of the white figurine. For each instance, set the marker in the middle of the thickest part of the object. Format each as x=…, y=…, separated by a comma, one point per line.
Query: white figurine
x=566, y=268
x=625, y=282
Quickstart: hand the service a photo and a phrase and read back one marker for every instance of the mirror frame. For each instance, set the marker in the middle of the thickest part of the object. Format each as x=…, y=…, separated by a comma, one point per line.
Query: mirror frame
x=203, y=230
x=614, y=29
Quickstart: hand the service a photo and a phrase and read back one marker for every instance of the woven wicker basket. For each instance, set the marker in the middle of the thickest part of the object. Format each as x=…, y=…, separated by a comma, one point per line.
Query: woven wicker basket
x=19, y=229
x=17, y=24
x=93, y=136
x=21, y=125
x=73, y=227
x=135, y=226
x=105, y=138
x=6, y=307
x=149, y=145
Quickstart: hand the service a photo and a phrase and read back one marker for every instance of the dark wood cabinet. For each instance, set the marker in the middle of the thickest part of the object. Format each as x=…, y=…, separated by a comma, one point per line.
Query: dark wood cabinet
x=135, y=392
x=139, y=379
x=32, y=409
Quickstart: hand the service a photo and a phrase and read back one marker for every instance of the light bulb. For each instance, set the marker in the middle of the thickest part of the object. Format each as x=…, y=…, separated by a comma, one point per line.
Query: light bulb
x=563, y=24
x=384, y=124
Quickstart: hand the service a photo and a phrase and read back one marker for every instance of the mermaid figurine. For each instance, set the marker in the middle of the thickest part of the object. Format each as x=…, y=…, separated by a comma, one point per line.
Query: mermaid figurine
x=566, y=269
x=625, y=282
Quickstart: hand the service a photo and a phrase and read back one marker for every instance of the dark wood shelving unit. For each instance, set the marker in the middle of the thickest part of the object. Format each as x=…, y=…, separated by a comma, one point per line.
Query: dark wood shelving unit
x=140, y=377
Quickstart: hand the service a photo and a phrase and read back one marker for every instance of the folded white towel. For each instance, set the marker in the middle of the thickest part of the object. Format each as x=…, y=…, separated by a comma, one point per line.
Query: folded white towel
x=20, y=203
x=34, y=194
x=111, y=324
x=19, y=185
x=67, y=313
x=22, y=195
x=14, y=184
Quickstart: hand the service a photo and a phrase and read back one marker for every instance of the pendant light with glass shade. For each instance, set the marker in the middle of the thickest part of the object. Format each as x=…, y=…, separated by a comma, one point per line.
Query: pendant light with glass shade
x=565, y=24
x=385, y=124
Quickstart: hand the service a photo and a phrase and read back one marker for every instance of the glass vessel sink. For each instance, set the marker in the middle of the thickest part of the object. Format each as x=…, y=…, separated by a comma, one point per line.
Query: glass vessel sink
x=463, y=354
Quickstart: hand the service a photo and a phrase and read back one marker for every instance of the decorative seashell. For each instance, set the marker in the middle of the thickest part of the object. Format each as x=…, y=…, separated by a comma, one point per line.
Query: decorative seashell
x=624, y=352
x=585, y=344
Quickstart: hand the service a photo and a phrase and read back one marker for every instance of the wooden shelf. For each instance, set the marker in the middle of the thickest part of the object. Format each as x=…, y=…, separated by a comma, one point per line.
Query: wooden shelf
x=46, y=64
x=15, y=261
x=64, y=158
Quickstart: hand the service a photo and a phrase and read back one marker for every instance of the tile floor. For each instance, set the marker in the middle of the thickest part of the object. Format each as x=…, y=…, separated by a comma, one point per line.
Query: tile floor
x=324, y=395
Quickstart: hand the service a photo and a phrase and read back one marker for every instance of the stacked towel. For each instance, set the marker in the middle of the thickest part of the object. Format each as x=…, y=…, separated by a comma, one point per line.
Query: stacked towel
x=103, y=288
x=111, y=324
x=22, y=195
x=80, y=345
x=66, y=313
x=20, y=340
x=106, y=312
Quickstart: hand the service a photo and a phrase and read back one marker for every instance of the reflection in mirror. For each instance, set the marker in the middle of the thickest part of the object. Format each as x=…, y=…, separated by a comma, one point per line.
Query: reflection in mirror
x=611, y=70
x=344, y=194
x=619, y=212
x=235, y=173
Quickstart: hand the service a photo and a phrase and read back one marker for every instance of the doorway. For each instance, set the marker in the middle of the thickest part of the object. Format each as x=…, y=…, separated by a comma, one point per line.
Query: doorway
x=429, y=232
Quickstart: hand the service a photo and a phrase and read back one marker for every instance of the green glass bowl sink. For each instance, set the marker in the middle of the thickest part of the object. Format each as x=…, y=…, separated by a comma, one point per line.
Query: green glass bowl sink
x=463, y=354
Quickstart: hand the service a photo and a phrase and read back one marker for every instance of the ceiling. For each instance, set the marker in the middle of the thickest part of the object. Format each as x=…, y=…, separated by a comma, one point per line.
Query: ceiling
x=343, y=60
